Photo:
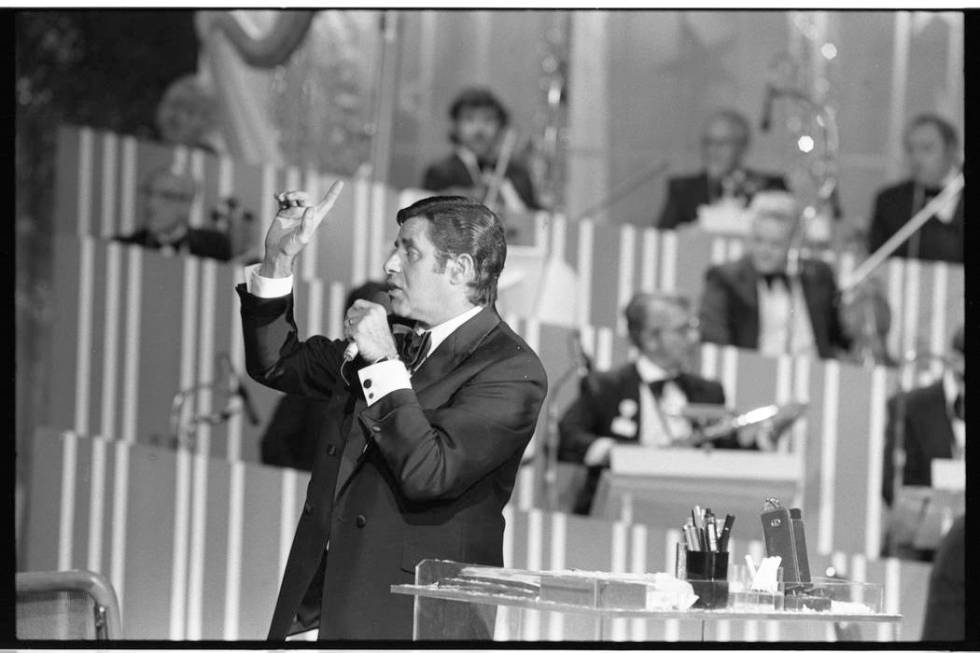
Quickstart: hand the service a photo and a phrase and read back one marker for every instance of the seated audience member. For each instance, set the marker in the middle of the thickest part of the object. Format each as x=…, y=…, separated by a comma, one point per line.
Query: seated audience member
x=930, y=423
x=724, y=143
x=166, y=207
x=639, y=402
x=866, y=319
x=239, y=224
x=298, y=421
x=479, y=120
x=931, y=146
x=755, y=303
x=945, y=618
x=188, y=115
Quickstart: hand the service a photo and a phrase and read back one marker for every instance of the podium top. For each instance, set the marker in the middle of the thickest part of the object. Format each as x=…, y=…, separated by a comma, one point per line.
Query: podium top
x=709, y=464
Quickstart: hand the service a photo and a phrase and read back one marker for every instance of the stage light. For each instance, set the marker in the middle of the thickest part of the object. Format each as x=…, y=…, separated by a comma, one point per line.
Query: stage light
x=828, y=50
x=805, y=143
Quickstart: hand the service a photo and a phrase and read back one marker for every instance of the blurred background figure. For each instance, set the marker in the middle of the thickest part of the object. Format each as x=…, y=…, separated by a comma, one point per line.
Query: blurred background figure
x=166, y=206
x=945, y=618
x=931, y=145
x=725, y=141
x=290, y=439
x=640, y=402
x=866, y=320
x=188, y=115
x=242, y=229
x=761, y=302
x=479, y=121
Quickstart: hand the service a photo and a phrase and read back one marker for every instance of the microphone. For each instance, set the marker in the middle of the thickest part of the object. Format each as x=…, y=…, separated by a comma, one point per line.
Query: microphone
x=351, y=351
x=765, y=122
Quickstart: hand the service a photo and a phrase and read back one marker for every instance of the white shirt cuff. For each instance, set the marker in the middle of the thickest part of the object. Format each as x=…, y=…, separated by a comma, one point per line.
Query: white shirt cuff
x=382, y=378
x=265, y=287
x=598, y=452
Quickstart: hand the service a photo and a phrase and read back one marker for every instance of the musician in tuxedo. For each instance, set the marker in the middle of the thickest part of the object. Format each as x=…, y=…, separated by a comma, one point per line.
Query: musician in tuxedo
x=724, y=144
x=758, y=302
x=427, y=429
x=929, y=422
x=166, y=204
x=640, y=402
x=478, y=123
x=931, y=146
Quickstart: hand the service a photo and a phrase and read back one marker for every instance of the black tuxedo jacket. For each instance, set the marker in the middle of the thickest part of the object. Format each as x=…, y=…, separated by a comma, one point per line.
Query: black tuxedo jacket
x=730, y=305
x=451, y=171
x=421, y=473
x=685, y=194
x=590, y=416
x=207, y=243
x=928, y=434
x=937, y=241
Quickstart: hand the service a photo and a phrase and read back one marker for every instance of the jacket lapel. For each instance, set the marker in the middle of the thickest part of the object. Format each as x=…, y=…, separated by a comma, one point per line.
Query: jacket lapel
x=454, y=349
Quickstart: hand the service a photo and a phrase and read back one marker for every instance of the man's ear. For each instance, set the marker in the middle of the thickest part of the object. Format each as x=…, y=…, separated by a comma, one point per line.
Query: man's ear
x=462, y=270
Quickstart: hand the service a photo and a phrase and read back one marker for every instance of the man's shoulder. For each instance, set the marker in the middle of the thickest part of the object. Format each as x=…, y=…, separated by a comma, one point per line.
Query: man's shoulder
x=928, y=394
x=446, y=163
x=704, y=386
x=505, y=344
x=896, y=191
x=687, y=181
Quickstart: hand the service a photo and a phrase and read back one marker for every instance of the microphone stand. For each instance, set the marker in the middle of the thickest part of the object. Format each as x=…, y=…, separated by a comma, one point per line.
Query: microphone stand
x=625, y=189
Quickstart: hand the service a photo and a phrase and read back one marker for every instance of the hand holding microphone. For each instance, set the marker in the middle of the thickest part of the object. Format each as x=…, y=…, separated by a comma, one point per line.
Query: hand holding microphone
x=293, y=228
x=367, y=331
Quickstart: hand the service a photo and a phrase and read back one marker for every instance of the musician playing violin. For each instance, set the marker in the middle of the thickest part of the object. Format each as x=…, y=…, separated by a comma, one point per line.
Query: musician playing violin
x=481, y=166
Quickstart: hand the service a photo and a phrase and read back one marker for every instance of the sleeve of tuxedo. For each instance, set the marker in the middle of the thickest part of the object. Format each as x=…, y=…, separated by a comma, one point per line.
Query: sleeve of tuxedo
x=578, y=426
x=838, y=335
x=671, y=214
x=917, y=466
x=713, y=312
x=274, y=354
x=878, y=230
x=440, y=453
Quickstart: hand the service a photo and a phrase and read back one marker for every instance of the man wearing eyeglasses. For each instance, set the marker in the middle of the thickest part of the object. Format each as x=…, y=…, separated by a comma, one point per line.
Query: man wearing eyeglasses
x=640, y=402
x=724, y=144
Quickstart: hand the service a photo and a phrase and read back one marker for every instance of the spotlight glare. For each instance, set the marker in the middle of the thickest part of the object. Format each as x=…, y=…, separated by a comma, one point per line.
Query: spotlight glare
x=805, y=143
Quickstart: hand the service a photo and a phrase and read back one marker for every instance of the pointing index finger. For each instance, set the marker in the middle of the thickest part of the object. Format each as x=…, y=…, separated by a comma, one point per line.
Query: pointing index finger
x=328, y=200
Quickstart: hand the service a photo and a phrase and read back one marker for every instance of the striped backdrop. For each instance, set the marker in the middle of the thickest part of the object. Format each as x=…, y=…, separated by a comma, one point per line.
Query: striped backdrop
x=99, y=173
x=134, y=327
x=195, y=546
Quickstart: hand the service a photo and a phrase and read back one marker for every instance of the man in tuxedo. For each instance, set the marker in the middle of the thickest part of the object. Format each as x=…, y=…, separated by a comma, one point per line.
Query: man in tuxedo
x=724, y=144
x=427, y=429
x=640, y=402
x=166, y=204
x=757, y=302
x=478, y=120
x=931, y=146
x=929, y=422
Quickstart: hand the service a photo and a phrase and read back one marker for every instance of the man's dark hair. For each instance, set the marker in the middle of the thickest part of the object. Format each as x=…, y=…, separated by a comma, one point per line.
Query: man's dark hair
x=459, y=225
x=636, y=310
x=946, y=129
x=478, y=98
x=732, y=117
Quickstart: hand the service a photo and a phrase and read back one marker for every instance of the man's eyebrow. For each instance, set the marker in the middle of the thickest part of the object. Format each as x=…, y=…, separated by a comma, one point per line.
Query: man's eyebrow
x=408, y=242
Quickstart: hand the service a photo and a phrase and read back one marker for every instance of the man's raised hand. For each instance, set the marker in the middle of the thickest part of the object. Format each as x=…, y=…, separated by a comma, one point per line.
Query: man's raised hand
x=293, y=228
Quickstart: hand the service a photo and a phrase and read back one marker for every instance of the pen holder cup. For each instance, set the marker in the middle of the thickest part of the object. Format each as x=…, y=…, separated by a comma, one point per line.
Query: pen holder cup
x=707, y=572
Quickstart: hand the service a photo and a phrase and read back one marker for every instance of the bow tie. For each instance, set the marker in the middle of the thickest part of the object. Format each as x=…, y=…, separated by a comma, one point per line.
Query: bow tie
x=771, y=277
x=657, y=387
x=412, y=348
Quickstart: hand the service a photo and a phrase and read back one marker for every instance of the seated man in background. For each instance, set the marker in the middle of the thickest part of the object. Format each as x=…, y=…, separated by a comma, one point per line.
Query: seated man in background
x=167, y=200
x=300, y=421
x=479, y=120
x=640, y=402
x=757, y=303
x=724, y=143
x=931, y=146
x=929, y=421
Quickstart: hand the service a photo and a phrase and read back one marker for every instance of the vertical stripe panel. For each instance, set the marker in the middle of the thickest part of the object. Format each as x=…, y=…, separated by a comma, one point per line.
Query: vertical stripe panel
x=911, y=314
x=109, y=148
x=542, y=232
x=287, y=517
x=86, y=143
x=236, y=353
x=559, y=544
x=195, y=576
x=535, y=553
x=828, y=458
x=893, y=586
x=268, y=195
x=314, y=312
x=801, y=385
x=362, y=215
x=876, y=447
x=648, y=265
x=896, y=300
x=335, y=316
x=508, y=545
x=120, y=502
x=586, y=237
x=233, y=570
x=937, y=325
x=82, y=371
x=188, y=337
x=66, y=513
x=709, y=361
x=525, y=485
x=110, y=340
x=618, y=564
x=638, y=565
x=604, y=348
x=178, y=577
x=672, y=627
x=729, y=372
x=627, y=247
x=127, y=174
x=131, y=374
x=784, y=393
x=96, y=519
x=668, y=263
x=196, y=218
x=206, y=354
x=376, y=246
x=559, y=235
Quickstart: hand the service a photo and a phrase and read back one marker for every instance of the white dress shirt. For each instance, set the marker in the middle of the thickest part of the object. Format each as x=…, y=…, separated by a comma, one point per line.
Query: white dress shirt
x=379, y=379
x=784, y=320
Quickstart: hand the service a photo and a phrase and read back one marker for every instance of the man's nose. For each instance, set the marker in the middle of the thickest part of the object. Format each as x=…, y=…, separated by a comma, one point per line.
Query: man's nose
x=391, y=263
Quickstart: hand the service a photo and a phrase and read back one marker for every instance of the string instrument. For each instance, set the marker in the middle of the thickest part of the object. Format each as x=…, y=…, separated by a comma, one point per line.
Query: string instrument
x=496, y=179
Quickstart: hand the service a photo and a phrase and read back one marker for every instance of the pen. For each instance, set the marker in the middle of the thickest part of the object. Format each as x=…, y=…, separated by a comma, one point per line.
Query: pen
x=712, y=534
x=692, y=541
x=726, y=532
